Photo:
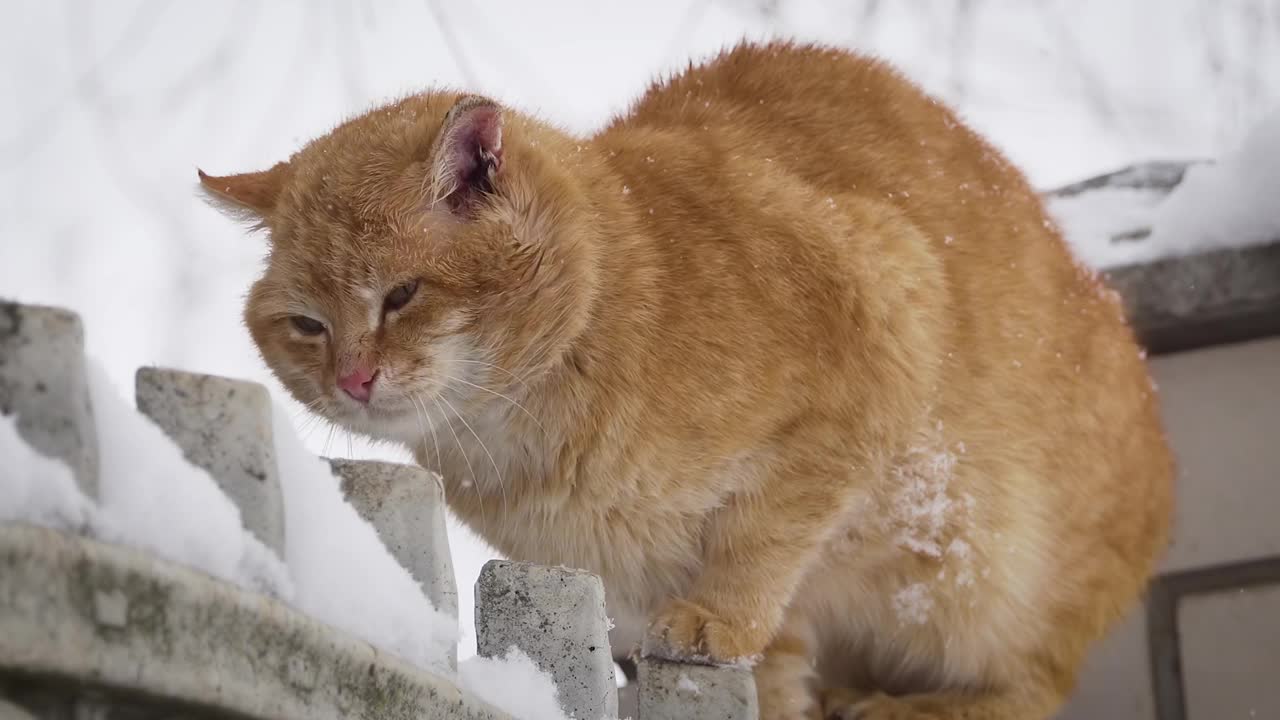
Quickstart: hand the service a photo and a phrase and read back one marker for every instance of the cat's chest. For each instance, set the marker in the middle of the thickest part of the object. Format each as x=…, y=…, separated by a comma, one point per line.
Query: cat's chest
x=634, y=518
x=643, y=553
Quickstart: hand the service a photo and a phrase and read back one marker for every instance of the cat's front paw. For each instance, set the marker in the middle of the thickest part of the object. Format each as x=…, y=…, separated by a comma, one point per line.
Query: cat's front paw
x=687, y=632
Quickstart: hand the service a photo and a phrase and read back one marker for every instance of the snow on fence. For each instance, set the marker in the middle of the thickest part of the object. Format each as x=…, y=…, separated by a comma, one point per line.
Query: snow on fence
x=99, y=629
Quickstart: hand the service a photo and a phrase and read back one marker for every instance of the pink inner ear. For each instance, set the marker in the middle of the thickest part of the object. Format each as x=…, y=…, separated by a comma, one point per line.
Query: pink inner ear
x=475, y=146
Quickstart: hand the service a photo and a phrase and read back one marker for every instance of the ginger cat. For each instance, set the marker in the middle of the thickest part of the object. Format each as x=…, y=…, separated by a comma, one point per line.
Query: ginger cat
x=787, y=355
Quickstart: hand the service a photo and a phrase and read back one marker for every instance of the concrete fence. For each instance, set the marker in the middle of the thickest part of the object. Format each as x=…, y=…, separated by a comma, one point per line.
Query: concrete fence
x=94, y=630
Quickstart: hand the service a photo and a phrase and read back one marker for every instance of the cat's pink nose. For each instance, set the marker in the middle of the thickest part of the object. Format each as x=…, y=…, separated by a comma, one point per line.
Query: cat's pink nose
x=359, y=383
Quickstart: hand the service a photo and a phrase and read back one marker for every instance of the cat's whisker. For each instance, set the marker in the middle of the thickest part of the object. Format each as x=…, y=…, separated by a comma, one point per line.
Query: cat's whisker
x=302, y=422
x=422, y=428
x=333, y=427
x=309, y=418
x=498, y=394
x=307, y=427
x=309, y=407
x=439, y=461
x=425, y=424
x=475, y=482
x=501, y=484
x=312, y=419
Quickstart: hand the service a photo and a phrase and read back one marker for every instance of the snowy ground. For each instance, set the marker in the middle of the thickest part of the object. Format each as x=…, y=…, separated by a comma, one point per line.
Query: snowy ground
x=108, y=108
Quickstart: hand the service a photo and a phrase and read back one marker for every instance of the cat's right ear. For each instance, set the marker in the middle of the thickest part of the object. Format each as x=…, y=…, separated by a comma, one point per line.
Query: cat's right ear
x=466, y=157
x=252, y=196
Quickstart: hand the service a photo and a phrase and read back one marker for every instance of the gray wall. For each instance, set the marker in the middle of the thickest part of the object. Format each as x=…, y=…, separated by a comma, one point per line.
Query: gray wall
x=1222, y=411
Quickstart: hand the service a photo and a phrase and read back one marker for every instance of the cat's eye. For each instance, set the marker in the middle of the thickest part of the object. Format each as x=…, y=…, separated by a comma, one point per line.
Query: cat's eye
x=306, y=325
x=400, y=296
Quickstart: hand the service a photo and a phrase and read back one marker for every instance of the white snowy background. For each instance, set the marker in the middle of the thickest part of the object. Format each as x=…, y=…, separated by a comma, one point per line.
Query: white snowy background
x=106, y=109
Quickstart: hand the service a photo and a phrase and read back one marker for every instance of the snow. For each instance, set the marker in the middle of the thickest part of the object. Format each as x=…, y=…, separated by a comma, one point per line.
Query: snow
x=927, y=521
x=513, y=684
x=686, y=684
x=961, y=554
x=336, y=570
x=912, y=604
x=921, y=507
x=1091, y=220
x=35, y=488
x=151, y=498
x=1227, y=203
x=343, y=573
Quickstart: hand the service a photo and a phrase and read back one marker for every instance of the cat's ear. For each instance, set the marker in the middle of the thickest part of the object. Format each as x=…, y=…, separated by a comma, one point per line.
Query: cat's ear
x=466, y=156
x=252, y=195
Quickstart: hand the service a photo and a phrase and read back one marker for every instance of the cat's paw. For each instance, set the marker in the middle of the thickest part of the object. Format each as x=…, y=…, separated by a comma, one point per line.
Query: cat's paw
x=687, y=632
x=852, y=705
x=784, y=688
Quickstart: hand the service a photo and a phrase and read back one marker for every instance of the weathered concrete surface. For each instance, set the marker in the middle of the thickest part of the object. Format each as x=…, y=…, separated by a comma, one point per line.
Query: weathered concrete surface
x=43, y=383
x=557, y=617
x=96, y=616
x=223, y=426
x=680, y=691
x=628, y=701
x=405, y=504
x=50, y=699
x=1183, y=303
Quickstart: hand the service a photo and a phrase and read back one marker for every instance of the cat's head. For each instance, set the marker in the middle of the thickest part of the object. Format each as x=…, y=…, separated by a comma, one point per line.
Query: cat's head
x=421, y=256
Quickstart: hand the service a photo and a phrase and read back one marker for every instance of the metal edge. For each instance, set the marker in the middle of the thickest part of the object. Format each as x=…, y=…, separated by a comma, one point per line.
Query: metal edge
x=1164, y=595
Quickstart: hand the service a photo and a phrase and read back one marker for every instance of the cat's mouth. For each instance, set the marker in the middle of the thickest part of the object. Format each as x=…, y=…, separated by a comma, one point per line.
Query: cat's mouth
x=385, y=408
x=387, y=415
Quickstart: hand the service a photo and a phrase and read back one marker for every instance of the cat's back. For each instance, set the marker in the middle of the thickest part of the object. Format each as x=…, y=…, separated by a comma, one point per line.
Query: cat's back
x=855, y=131
x=1027, y=333
x=851, y=126
x=838, y=119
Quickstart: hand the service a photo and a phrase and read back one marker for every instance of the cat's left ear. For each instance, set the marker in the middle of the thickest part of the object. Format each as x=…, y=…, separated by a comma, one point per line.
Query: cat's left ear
x=251, y=195
x=466, y=156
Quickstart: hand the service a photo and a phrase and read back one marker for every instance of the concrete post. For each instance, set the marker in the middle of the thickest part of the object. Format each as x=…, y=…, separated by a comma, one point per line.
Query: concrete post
x=405, y=504
x=43, y=382
x=556, y=616
x=679, y=691
x=223, y=426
